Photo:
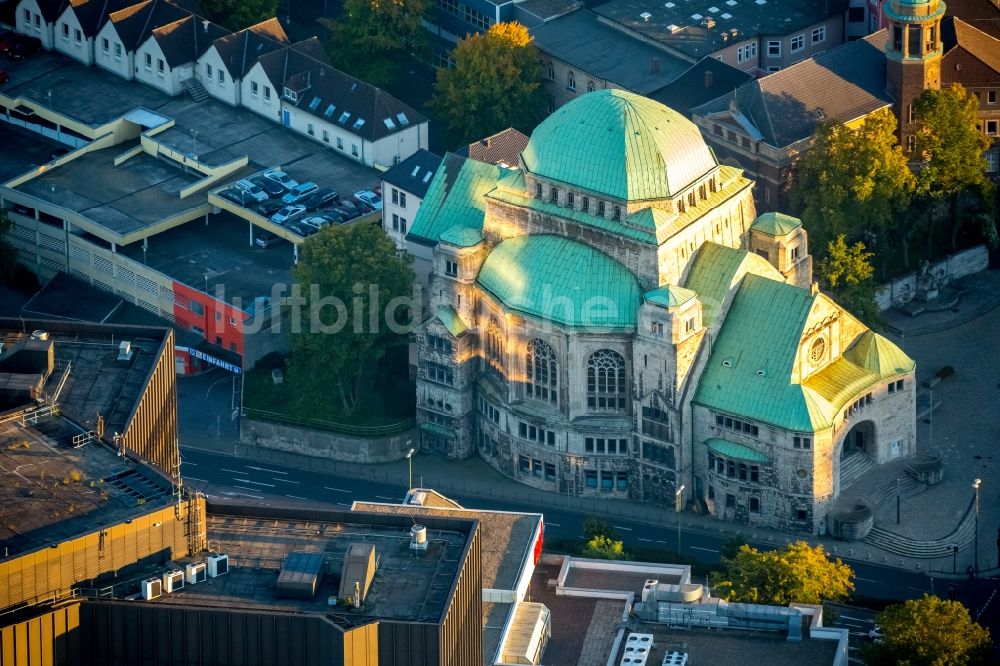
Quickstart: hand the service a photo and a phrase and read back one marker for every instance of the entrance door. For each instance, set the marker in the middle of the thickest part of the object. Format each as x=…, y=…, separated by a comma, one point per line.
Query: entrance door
x=286, y=118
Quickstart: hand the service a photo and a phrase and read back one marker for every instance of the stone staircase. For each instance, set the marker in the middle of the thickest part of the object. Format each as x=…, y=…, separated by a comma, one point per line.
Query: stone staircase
x=885, y=492
x=193, y=87
x=853, y=468
x=962, y=536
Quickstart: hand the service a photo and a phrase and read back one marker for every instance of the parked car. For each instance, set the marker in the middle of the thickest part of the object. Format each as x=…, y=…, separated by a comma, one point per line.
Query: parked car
x=4, y=77
x=303, y=229
x=238, y=197
x=299, y=192
x=288, y=214
x=319, y=198
x=272, y=187
x=370, y=198
x=8, y=40
x=346, y=209
x=361, y=205
x=317, y=222
x=331, y=216
x=254, y=190
x=265, y=239
x=281, y=178
x=24, y=47
x=269, y=208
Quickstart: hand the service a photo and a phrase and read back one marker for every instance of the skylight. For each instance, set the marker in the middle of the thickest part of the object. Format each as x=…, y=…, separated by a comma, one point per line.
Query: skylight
x=726, y=15
x=388, y=123
x=314, y=104
x=427, y=176
x=358, y=123
x=416, y=170
x=343, y=117
x=403, y=120
x=329, y=110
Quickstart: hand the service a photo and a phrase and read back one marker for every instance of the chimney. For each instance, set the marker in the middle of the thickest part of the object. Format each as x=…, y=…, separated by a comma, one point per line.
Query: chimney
x=654, y=66
x=708, y=78
x=204, y=24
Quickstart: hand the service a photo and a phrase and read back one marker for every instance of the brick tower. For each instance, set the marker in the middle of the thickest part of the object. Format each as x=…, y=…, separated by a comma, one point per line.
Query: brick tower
x=913, y=56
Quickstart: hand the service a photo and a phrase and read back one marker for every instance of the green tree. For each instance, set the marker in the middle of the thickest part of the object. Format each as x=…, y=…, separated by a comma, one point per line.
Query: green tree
x=846, y=270
x=372, y=35
x=344, y=314
x=604, y=548
x=949, y=147
x=731, y=548
x=8, y=253
x=238, y=14
x=495, y=84
x=799, y=573
x=853, y=181
x=929, y=632
x=595, y=526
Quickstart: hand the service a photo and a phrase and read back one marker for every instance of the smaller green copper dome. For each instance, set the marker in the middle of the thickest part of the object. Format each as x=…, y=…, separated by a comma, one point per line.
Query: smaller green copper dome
x=619, y=144
x=563, y=281
x=669, y=296
x=776, y=224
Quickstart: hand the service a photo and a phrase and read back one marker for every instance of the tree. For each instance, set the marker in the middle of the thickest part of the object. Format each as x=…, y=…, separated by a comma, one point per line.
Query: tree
x=604, y=548
x=847, y=271
x=495, y=84
x=595, y=526
x=731, y=548
x=238, y=14
x=929, y=632
x=371, y=36
x=343, y=315
x=799, y=573
x=950, y=147
x=8, y=253
x=853, y=181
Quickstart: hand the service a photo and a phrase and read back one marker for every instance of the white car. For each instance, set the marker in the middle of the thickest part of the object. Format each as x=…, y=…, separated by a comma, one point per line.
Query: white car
x=281, y=178
x=255, y=191
x=316, y=222
x=288, y=214
x=370, y=198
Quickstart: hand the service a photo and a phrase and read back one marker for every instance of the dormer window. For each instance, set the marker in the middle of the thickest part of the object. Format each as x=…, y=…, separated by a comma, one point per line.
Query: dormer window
x=569, y=199
x=616, y=213
x=554, y=194
x=290, y=94
x=585, y=205
x=600, y=208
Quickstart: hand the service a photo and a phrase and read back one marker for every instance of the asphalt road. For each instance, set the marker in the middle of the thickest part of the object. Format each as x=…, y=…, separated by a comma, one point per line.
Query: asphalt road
x=225, y=477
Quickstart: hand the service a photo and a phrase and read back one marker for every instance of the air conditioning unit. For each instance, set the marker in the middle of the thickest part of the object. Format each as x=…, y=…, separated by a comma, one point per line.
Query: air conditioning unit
x=124, y=350
x=648, y=589
x=173, y=581
x=152, y=588
x=218, y=565
x=195, y=573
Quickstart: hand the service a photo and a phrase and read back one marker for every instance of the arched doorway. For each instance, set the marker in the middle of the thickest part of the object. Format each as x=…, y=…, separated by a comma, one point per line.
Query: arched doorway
x=860, y=439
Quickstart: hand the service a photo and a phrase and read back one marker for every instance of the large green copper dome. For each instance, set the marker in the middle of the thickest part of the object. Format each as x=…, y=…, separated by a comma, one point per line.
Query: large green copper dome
x=620, y=144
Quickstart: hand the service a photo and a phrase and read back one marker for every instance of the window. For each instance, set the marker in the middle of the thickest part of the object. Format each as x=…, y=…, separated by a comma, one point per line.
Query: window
x=538, y=190
x=606, y=389
x=661, y=455
x=208, y=73
x=569, y=199
x=552, y=72
x=541, y=370
x=326, y=136
x=591, y=477
x=730, y=500
x=616, y=213
x=689, y=325
x=402, y=224
x=439, y=373
x=773, y=49
x=196, y=307
x=991, y=97
x=27, y=16
x=149, y=61
x=536, y=467
x=524, y=463
x=798, y=43
x=571, y=81
x=161, y=66
x=621, y=480
x=554, y=194
x=309, y=129
x=717, y=130
x=550, y=472
x=607, y=481
x=800, y=442
x=395, y=196
x=991, y=127
x=656, y=328
x=600, y=208
x=495, y=346
x=222, y=77
x=38, y=22
x=267, y=94
x=801, y=514
x=118, y=51
x=746, y=52
x=451, y=268
x=590, y=86
x=754, y=505
x=340, y=143
x=354, y=149
x=402, y=199
x=105, y=45
x=536, y=434
x=77, y=35
x=656, y=422
x=819, y=35
x=736, y=425
x=585, y=204
x=773, y=68
x=65, y=31
x=489, y=411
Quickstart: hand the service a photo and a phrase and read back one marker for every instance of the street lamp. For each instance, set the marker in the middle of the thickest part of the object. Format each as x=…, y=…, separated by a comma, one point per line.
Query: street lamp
x=409, y=458
x=975, y=570
x=678, y=498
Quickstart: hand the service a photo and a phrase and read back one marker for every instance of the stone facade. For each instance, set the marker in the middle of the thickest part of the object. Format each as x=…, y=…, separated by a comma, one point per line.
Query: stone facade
x=612, y=411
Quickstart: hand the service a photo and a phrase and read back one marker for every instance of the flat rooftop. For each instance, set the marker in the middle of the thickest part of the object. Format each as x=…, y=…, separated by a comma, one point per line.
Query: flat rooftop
x=51, y=491
x=143, y=191
x=407, y=586
x=678, y=25
x=236, y=271
x=505, y=542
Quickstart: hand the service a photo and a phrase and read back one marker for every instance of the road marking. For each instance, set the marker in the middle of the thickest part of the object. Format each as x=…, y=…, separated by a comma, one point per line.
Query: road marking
x=256, y=483
x=867, y=580
x=234, y=471
x=391, y=499
x=648, y=540
x=342, y=504
x=194, y=478
x=856, y=619
x=264, y=469
x=337, y=490
x=658, y=541
x=284, y=480
x=191, y=463
x=710, y=550
x=245, y=495
x=553, y=524
x=297, y=497
x=619, y=527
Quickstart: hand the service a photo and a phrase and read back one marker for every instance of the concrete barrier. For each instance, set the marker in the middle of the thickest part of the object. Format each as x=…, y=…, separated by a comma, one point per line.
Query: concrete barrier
x=329, y=445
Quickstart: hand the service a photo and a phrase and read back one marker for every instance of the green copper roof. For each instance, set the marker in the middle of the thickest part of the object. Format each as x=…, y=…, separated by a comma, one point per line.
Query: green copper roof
x=619, y=144
x=456, y=197
x=554, y=278
x=670, y=296
x=879, y=356
x=717, y=269
x=750, y=369
x=461, y=236
x=776, y=224
x=452, y=321
x=733, y=450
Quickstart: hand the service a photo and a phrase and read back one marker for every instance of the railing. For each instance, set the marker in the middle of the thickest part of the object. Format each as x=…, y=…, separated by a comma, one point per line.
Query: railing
x=330, y=426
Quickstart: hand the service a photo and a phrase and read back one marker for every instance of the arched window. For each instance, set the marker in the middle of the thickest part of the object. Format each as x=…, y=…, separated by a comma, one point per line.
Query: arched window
x=606, y=388
x=571, y=81
x=590, y=86
x=541, y=369
x=494, y=346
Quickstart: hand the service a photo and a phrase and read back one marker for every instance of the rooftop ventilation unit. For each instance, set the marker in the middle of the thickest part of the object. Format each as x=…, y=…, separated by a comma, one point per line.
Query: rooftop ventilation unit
x=673, y=28
x=195, y=573
x=418, y=537
x=648, y=590
x=357, y=573
x=218, y=565
x=125, y=350
x=645, y=16
x=708, y=22
x=39, y=335
x=637, y=649
x=726, y=15
x=669, y=5
x=673, y=658
x=173, y=581
x=152, y=588
x=300, y=575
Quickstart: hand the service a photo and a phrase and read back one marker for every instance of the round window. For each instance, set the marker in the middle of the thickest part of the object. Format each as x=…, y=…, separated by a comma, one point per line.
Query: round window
x=818, y=350
x=802, y=474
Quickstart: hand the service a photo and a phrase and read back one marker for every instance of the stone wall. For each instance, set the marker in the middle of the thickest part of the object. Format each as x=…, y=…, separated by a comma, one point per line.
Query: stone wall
x=320, y=444
x=950, y=268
